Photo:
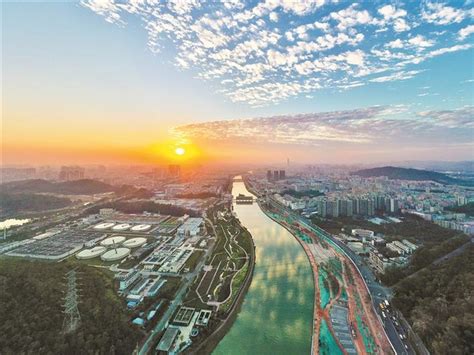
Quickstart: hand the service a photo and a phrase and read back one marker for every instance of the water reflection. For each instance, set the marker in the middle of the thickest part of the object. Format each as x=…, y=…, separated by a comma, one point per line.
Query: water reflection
x=276, y=315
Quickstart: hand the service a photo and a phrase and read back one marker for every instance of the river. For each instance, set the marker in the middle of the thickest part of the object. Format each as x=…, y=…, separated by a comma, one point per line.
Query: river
x=276, y=315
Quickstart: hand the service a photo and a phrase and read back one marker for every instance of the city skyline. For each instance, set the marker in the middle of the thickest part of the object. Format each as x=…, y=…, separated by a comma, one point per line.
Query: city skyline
x=320, y=82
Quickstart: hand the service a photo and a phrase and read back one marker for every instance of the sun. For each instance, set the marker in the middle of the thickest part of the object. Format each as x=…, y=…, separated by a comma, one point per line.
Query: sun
x=180, y=151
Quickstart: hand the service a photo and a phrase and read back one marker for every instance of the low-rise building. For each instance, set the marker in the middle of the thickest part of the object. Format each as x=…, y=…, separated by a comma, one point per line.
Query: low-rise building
x=191, y=227
x=363, y=233
x=127, y=278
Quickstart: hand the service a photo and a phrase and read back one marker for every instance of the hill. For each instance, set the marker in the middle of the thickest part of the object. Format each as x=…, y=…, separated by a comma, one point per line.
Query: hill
x=32, y=311
x=77, y=187
x=396, y=173
x=439, y=305
x=28, y=202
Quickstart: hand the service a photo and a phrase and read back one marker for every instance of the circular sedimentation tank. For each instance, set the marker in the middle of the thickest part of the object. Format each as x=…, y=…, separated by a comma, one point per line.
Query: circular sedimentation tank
x=102, y=226
x=121, y=227
x=141, y=227
x=91, y=253
x=134, y=242
x=109, y=242
x=115, y=254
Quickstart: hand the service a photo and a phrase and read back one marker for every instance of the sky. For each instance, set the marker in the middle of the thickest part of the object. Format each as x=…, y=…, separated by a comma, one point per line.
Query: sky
x=101, y=81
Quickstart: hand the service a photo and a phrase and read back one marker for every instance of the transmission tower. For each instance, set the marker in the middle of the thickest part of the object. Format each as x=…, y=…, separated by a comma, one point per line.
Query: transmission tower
x=72, y=317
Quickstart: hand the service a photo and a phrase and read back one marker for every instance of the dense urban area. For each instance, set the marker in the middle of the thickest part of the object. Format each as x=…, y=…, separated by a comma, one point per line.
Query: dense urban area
x=157, y=260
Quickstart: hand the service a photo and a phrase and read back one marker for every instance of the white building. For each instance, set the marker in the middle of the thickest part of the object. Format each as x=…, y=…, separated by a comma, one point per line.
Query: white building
x=127, y=278
x=191, y=227
x=410, y=245
x=363, y=233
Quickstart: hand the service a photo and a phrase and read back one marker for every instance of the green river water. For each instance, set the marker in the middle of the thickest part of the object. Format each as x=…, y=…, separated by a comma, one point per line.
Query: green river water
x=276, y=315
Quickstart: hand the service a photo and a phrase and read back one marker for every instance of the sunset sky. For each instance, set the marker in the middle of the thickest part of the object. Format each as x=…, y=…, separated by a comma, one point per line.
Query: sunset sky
x=326, y=81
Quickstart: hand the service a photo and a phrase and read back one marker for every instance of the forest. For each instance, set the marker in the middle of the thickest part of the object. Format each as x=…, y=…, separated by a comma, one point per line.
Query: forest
x=300, y=194
x=467, y=209
x=76, y=187
x=439, y=304
x=14, y=203
x=31, y=310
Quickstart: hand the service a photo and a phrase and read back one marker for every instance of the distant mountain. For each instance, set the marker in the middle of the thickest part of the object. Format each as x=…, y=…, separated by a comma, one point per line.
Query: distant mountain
x=77, y=187
x=466, y=166
x=396, y=173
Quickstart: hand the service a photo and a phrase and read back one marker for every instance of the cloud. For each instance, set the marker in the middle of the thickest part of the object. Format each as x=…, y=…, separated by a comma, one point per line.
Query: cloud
x=420, y=41
x=307, y=129
x=441, y=14
x=273, y=16
x=267, y=52
x=390, y=12
x=351, y=17
x=360, y=126
x=394, y=16
x=460, y=118
x=401, y=75
x=465, y=32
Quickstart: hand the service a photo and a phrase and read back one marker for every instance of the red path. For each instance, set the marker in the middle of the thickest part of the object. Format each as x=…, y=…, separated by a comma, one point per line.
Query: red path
x=369, y=317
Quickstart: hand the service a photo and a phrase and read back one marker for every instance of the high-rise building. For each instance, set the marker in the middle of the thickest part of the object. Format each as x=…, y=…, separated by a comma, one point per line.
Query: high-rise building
x=393, y=205
x=355, y=206
x=282, y=175
x=70, y=173
x=333, y=208
x=269, y=175
x=370, y=208
x=345, y=208
x=322, y=208
x=276, y=175
x=461, y=200
x=379, y=202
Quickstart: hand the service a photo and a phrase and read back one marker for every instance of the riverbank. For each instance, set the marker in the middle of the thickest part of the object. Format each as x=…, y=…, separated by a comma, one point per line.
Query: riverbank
x=211, y=342
x=234, y=243
x=371, y=334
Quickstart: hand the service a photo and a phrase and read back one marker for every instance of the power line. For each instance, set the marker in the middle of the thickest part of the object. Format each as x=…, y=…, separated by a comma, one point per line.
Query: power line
x=72, y=317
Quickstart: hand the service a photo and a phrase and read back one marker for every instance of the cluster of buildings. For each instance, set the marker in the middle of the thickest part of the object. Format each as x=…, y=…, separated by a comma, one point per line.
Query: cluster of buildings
x=276, y=175
x=367, y=244
x=71, y=173
x=185, y=325
x=136, y=287
x=345, y=195
x=325, y=207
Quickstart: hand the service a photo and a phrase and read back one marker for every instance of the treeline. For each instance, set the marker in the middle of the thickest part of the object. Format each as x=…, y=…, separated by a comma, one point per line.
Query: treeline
x=197, y=195
x=467, y=209
x=130, y=191
x=13, y=203
x=439, y=304
x=76, y=187
x=31, y=310
x=137, y=207
x=299, y=194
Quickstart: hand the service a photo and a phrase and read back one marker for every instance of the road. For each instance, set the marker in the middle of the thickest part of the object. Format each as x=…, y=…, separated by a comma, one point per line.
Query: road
x=378, y=292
